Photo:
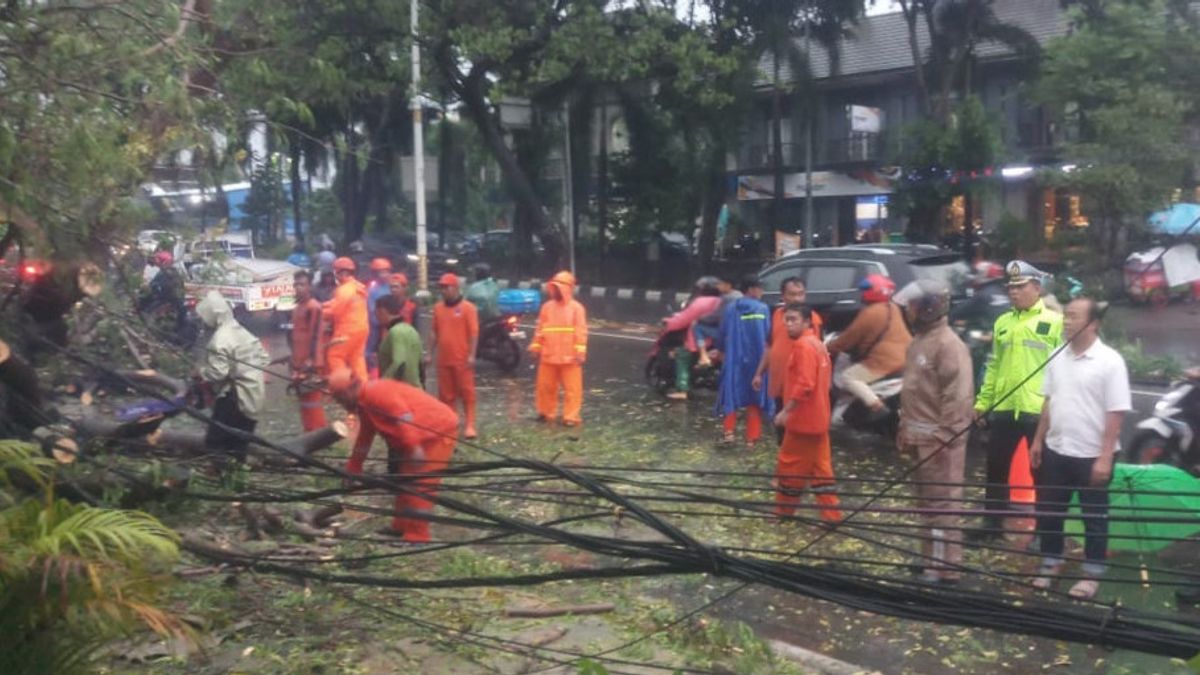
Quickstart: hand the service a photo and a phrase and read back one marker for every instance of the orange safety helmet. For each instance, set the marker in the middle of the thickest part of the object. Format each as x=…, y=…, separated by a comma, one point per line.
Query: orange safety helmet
x=448, y=279
x=563, y=277
x=344, y=264
x=399, y=278
x=381, y=265
x=876, y=288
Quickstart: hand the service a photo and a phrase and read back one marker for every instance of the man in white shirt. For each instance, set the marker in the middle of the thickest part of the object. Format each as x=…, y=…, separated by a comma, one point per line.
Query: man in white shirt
x=1087, y=395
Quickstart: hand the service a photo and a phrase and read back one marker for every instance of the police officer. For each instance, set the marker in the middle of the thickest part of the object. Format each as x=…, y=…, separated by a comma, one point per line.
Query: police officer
x=1023, y=339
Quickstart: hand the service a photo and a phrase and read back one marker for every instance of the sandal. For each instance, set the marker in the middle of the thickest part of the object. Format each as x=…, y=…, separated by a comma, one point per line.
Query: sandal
x=1084, y=589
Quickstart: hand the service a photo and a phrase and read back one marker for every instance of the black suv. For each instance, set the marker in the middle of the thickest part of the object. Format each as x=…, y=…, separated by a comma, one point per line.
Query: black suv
x=832, y=275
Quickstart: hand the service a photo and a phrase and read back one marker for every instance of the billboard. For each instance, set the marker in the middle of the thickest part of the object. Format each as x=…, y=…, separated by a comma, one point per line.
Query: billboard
x=824, y=184
x=865, y=119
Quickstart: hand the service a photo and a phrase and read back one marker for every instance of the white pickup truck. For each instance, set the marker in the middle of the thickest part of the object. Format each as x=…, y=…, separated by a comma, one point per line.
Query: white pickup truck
x=226, y=264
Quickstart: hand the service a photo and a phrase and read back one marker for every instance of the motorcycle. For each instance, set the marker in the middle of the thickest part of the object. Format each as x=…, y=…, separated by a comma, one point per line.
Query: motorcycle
x=660, y=365
x=854, y=413
x=498, y=342
x=1169, y=435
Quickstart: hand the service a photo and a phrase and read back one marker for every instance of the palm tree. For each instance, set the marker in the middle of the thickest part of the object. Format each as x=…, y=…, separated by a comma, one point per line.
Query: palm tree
x=72, y=575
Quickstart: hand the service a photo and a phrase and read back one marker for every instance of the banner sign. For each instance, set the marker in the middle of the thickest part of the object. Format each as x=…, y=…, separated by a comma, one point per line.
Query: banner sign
x=824, y=184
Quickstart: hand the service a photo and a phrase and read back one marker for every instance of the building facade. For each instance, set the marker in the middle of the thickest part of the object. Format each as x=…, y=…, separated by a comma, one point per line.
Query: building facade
x=867, y=97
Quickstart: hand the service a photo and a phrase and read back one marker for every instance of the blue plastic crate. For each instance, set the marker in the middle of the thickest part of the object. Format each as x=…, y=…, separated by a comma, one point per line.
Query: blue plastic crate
x=519, y=301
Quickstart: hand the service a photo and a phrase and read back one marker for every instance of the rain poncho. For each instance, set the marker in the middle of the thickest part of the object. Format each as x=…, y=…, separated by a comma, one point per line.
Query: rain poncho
x=744, y=330
x=234, y=357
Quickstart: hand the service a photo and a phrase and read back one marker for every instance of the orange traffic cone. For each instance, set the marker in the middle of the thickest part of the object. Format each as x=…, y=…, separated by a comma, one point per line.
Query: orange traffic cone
x=1020, y=478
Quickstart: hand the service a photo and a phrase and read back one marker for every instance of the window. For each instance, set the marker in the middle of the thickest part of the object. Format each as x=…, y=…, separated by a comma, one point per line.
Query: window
x=831, y=278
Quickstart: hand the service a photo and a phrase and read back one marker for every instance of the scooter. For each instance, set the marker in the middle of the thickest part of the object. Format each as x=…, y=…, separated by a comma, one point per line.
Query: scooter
x=498, y=342
x=854, y=413
x=1169, y=435
x=660, y=365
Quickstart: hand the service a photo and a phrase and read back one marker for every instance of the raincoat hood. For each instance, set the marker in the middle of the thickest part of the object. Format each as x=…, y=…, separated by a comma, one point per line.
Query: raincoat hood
x=565, y=282
x=214, y=310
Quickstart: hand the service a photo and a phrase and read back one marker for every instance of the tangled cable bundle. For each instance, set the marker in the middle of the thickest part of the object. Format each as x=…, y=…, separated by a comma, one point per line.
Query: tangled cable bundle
x=605, y=493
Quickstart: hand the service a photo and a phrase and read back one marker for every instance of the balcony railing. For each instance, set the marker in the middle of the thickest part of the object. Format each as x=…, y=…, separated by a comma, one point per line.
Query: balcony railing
x=857, y=147
x=758, y=157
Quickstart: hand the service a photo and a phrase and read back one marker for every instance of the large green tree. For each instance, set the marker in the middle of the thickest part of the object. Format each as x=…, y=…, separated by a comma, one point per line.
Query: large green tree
x=1124, y=83
x=955, y=137
x=92, y=94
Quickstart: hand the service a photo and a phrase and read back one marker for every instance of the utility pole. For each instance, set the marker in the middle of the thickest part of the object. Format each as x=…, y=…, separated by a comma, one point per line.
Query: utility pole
x=569, y=188
x=418, y=153
x=808, y=135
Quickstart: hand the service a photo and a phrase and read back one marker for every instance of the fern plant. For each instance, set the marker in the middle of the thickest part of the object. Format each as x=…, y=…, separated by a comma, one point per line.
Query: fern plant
x=72, y=576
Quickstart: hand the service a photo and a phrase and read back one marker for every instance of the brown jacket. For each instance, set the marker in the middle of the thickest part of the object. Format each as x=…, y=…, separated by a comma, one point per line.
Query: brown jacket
x=939, y=388
x=887, y=356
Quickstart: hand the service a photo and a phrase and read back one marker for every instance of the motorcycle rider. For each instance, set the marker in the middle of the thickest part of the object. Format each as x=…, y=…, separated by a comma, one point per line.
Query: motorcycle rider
x=876, y=341
x=484, y=293
x=1024, y=337
x=935, y=406
x=706, y=298
x=325, y=281
x=166, y=286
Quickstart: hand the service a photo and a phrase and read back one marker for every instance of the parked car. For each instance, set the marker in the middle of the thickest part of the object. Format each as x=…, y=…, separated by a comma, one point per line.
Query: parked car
x=832, y=274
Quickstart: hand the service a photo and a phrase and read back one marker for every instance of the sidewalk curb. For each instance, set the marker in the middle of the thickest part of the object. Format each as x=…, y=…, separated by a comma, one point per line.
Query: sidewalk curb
x=609, y=292
x=826, y=665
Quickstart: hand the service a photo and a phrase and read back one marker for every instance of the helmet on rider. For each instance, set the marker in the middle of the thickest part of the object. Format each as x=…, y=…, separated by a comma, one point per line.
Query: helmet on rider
x=925, y=301
x=482, y=271
x=381, y=265
x=163, y=259
x=344, y=264
x=708, y=285
x=876, y=288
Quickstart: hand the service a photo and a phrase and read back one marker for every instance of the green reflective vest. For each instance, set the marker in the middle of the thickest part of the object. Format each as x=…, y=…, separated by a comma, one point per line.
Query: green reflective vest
x=1021, y=342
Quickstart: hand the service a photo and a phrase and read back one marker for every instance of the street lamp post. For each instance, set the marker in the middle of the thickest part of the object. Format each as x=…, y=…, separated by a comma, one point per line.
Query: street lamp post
x=808, y=137
x=569, y=196
x=418, y=152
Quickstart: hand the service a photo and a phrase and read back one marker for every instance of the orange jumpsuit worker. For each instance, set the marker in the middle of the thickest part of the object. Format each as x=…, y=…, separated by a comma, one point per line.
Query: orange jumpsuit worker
x=560, y=345
x=346, y=323
x=455, y=337
x=306, y=327
x=419, y=431
x=805, y=458
x=792, y=291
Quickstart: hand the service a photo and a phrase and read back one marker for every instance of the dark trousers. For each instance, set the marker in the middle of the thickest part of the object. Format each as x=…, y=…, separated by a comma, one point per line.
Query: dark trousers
x=227, y=412
x=1059, y=477
x=1006, y=434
